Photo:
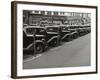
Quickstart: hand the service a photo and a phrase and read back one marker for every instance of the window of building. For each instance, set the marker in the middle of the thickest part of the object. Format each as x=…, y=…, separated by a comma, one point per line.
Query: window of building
x=43, y=12
x=49, y=13
x=36, y=12
x=55, y=13
x=62, y=13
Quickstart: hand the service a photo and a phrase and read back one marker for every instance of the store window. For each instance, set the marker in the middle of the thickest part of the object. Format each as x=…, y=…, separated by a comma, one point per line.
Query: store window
x=43, y=12
x=36, y=12
x=55, y=13
x=49, y=13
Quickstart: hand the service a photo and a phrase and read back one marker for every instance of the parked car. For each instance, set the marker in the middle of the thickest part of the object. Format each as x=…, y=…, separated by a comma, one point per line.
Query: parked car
x=34, y=39
x=74, y=31
x=37, y=39
x=53, y=35
x=84, y=29
x=65, y=33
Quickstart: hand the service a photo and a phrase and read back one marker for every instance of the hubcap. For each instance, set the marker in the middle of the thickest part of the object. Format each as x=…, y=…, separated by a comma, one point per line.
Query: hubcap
x=39, y=49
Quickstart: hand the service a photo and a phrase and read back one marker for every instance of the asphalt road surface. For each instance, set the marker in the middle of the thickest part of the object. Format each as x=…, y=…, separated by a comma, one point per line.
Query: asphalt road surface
x=71, y=54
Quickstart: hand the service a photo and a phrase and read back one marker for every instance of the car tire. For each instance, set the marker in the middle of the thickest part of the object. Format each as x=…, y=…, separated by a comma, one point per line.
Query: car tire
x=55, y=42
x=75, y=36
x=68, y=38
x=39, y=48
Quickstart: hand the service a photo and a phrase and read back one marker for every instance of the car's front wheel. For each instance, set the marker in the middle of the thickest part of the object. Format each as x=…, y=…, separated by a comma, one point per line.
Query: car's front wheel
x=39, y=48
x=75, y=36
x=55, y=42
x=68, y=38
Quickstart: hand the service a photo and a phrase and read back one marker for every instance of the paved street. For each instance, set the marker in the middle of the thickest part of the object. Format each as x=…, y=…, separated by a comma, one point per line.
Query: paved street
x=70, y=54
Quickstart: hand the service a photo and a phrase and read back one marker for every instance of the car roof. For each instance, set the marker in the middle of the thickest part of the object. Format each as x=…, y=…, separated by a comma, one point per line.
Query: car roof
x=63, y=25
x=34, y=27
x=80, y=25
x=55, y=26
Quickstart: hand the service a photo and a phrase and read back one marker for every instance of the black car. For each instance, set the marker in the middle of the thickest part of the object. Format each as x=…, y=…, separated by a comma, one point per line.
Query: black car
x=37, y=39
x=34, y=39
x=65, y=33
x=84, y=29
x=74, y=31
x=53, y=35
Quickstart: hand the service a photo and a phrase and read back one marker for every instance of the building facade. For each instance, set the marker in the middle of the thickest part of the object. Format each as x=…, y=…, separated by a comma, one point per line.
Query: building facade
x=37, y=17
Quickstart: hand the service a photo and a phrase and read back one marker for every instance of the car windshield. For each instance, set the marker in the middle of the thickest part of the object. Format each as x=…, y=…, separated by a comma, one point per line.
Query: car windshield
x=74, y=27
x=52, y=29
x=31, y=31
x=64, y=28
x=40, y=31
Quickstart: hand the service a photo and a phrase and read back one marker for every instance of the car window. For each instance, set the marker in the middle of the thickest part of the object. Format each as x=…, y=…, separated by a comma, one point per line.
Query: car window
x=40, y=31
x=30, y=30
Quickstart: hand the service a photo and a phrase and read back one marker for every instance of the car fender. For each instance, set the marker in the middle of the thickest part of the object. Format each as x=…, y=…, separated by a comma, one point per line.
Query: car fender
x=54, y=37
x=73, y=33
x=31, y=45
x=65, y=36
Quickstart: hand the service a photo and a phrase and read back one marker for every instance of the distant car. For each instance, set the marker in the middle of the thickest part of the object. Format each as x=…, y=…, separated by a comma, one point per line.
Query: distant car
x=53, y=35
x=65, y=33
x=74, y=31
x=84, y=29
x=87, y=29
